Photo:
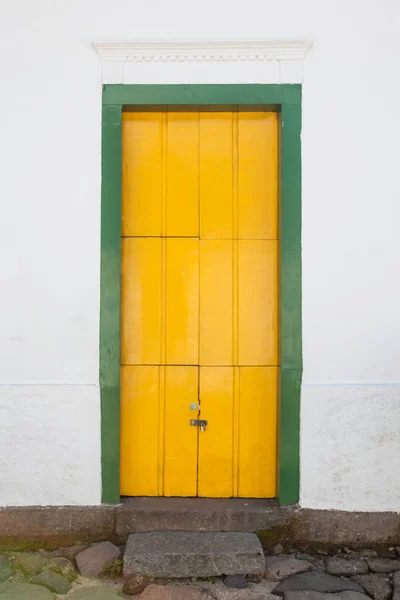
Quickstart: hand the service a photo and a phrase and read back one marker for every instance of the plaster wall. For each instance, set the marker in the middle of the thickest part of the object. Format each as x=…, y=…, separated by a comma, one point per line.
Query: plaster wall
x=50, y=104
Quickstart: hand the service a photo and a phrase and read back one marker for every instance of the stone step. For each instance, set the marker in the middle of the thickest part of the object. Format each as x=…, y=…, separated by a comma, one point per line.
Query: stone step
x=178, y=554
x=141, y=515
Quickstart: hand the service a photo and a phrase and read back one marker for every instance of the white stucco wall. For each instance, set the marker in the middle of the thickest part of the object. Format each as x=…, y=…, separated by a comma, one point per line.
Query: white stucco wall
x=50, y=104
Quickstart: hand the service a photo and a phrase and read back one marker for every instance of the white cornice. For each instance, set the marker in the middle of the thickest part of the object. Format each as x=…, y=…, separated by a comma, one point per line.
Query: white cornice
x=219, y=61
x=200, y=51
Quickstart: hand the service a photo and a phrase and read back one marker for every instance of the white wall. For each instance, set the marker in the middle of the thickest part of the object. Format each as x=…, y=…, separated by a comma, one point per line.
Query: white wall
x=49, y=235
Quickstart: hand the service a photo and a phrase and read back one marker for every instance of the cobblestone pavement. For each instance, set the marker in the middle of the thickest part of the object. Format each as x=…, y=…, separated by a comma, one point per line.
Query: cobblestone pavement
x=96, y=573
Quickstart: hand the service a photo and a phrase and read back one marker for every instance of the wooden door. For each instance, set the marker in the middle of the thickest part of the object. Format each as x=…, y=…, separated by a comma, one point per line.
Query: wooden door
x=199, y=305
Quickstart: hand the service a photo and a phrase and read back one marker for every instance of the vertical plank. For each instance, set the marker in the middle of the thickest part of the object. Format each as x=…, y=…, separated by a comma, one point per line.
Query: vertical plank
x=215, y=175
x=257, y=432
x=258, y=302
x=142, y=135
x=140, y=407
x=215, y=444
x=216, y=302
x=180, y=463
x=182, y=174
x=258, y=175
x=182, y=301
x=141, y=301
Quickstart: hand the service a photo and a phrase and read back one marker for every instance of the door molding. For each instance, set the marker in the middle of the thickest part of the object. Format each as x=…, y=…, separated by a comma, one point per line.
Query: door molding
x=202, y=61
x=288, y=100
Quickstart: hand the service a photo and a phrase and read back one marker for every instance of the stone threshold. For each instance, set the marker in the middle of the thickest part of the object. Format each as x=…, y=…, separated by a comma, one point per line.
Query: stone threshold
x=54, y=526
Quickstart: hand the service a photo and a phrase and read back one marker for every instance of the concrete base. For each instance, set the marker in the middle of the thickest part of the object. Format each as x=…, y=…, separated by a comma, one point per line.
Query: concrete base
x=136, y=515
x=38, y=527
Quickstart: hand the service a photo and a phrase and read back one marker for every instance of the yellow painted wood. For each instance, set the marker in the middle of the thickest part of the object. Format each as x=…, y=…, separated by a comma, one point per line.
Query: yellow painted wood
x=182, y=301
x=258, y=302
x=180, y=463
x=216, y=309
x=215, y=175
x=258, y=175
x=142, y=137
x=182, y=174
x=199, y=303
x=215, y=444
x=141, y=301
x=140, y=407
x=257, y=432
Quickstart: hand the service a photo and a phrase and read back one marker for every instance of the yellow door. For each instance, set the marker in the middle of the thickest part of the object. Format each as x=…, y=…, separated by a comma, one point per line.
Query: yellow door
x=199, y=305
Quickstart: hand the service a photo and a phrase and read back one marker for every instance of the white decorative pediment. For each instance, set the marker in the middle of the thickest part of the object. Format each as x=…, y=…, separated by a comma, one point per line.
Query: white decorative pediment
x=252, y=61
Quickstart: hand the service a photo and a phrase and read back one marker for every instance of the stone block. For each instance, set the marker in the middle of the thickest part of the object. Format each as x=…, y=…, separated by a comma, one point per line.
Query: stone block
x=94, y=593
x=24, y=591
x=92, y=561
x=187, y=554
x=135, y=585
x=174, y=592
x=346, y=566
x=52, y=581
x=375, y=584
x=396, y=586
x=384, y=565
x=279, y=567
x=316, y=582
x=304, y=595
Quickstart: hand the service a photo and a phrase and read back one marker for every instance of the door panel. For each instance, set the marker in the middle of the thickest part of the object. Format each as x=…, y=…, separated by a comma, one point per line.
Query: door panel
x=258, y=175
x=257, y=432
x=142, y=173
x=182, y=301
x=199, y=303
x=180, y=462
x=140, y=431
x=141, y=325
x=216, y=183
x=182, y=174
x=258, y=302
x=216, y=464
x=216, y=308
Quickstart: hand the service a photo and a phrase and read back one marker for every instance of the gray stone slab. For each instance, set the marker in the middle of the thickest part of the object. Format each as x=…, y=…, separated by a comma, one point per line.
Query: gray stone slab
x=376, y=585
x=316, y=582
x=396, y=586
x=279, y=567
x=324, y=596
x=346, y=566
x=384, y=565
x=178, y=554
x=141, y=515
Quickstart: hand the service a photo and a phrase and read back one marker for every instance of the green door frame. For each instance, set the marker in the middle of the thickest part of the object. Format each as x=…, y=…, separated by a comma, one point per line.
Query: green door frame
x=287, y=98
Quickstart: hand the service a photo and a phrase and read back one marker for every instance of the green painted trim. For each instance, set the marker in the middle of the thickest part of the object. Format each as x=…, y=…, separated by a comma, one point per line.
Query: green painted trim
x=110, y=300
x=289, y=437
x=202, y=94
x=290, y=304
x=288, y=98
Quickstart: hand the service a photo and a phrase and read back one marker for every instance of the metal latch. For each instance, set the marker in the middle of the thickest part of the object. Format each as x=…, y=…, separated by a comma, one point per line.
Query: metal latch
x=199, y=423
